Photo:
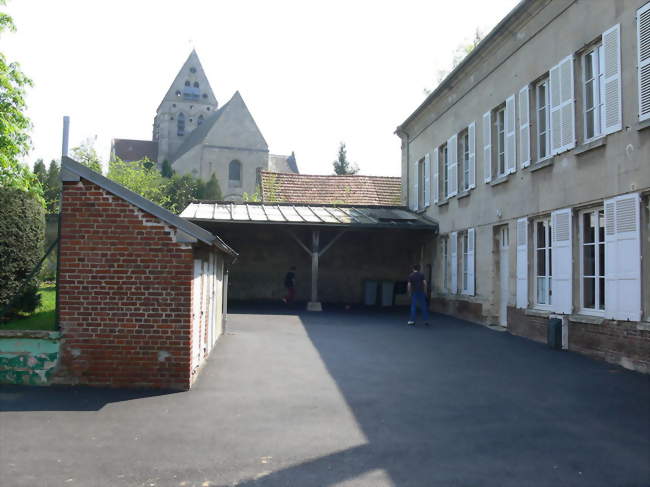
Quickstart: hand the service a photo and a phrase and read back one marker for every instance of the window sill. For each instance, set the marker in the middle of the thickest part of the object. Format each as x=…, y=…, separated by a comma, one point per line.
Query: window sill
x=499, y=180
x=542, y=164
x=537, y=312
x=643, y=326
x=643, y=125
x=442, y=203
x=591, y=145
x=464, y=194
x=593, y=320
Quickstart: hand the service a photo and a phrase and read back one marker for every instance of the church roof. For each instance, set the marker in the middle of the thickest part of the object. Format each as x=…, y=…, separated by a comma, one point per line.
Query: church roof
x=134, y=150
x=278, y=163
x=191, y=63
x=349, y=189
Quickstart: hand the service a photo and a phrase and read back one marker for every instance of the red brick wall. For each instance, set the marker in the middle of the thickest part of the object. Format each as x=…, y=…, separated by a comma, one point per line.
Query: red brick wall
x=125, y=294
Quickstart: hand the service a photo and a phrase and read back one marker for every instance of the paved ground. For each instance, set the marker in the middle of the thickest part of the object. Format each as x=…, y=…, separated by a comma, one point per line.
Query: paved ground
x=338, y=399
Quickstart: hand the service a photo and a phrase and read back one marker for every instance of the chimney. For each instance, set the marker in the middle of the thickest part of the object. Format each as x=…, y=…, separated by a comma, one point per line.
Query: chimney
x=66, y=135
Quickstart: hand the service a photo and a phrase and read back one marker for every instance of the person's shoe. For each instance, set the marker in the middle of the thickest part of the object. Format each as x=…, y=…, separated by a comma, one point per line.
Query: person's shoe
x=411, y=323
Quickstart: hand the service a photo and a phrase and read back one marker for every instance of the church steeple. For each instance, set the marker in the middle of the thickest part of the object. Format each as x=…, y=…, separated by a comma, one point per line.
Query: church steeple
x=191, y=84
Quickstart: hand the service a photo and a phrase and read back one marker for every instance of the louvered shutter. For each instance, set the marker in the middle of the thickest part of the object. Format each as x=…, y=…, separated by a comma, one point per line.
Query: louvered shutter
x=612, y=121
x=436, y=169
x=561, y=261
x=623, y=258
x=524, y=127
x=487, y=147
x=427, y=181
x=562, y=106
x=416, y=185
x=452, y=164
x=510, y=136
x=471, y=137
x=643, y=51
x=470, y=261
x=522, y=263
x=454, y=263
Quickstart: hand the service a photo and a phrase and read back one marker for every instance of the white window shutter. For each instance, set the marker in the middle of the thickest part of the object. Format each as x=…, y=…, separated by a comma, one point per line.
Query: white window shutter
x=510, y=135
x=452, y=158
x=562, y=106
x=471, y=245
x=524, y=127
x=612, y=73
x=522, y=263
x=643, y=59
x=556, y=114
x=416, y=185
x=487, y=147
x=436, y=169
x=427, y=181
x=623, y=258
x=561, y=261
x=454, y=263
x=471, y=137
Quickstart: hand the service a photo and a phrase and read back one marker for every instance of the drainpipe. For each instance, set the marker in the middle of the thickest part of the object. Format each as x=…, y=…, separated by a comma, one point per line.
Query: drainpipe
x=401, y=133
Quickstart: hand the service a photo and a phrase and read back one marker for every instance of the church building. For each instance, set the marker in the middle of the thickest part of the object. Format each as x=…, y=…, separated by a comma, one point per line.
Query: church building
x=200, y=137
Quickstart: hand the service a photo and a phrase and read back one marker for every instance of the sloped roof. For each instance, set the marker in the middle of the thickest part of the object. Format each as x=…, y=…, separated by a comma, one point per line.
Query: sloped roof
x=199, y=133
x=342, y=216
x=134, y=150
x=71, y=170
x=191, y=61
x=352, y=190
x=278, y=163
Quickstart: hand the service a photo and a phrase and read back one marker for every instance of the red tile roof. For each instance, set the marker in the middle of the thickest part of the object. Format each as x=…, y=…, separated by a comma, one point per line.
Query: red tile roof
x=351, y=190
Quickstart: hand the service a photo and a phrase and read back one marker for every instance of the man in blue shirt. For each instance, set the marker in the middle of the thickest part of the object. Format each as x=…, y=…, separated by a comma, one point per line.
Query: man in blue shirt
x=417, y=288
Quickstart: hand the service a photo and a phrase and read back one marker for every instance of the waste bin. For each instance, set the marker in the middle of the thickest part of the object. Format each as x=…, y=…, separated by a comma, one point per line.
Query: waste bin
x=554, y=336
x=370, y=293
x=387, y=293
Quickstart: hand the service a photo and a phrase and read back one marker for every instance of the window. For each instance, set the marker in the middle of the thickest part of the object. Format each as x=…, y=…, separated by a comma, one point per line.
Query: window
x=444, y=242
x=192, y=70
x=234, y=173
x=200, y=120
x=421, y=184
x=592, y=260
x=180, y=125
x=464, y=160
x=445, y=170
x=593, y=84
x=196, y=84
x=543, y=268
x=187, y=83
x=464, y=261
x=205, y=95
x=542, y=112
x=500, y=120
x=178, y=92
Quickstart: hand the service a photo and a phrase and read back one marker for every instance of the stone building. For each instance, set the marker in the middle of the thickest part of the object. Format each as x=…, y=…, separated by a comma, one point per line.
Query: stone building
x=533, y=156
x=200, y=137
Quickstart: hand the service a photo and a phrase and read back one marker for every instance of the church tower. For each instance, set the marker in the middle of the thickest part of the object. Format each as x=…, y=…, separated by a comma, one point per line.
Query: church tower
x=188, y=102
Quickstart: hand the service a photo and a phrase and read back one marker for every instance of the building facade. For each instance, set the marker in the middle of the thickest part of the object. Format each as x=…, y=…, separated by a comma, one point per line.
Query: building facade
x=200, y=137
x=533, y=156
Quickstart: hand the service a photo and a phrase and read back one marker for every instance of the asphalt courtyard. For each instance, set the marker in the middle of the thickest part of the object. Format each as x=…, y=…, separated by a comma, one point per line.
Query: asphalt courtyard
x=344, y=399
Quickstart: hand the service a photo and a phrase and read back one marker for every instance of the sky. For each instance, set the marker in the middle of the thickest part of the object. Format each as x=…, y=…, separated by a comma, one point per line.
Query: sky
x=313, y=74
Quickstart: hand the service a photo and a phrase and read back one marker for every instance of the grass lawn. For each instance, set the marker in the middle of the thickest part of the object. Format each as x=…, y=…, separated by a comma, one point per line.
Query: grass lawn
x=42, y=318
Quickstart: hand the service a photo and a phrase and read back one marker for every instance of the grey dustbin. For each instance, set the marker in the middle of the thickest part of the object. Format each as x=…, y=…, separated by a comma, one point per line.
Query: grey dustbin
x=554, y=336
x=370, y=293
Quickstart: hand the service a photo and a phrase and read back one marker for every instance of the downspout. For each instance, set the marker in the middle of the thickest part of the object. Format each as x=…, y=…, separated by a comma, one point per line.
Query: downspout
x=401, y=133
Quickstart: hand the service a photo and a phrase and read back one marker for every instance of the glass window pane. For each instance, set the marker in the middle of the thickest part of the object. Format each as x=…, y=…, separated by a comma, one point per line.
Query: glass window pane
x=589, y=124
x=589, y=65
x=589, y=290
x=542, y=145
x=601, y=225
x=589, y=94
x=589, y=262
x=601, y=259
x=588, y=228
x=601, y=285
x=540, y=235
x=541, y=290
x=541, y=262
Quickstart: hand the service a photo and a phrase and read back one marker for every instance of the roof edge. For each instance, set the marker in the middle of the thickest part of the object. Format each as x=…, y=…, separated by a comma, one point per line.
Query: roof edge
x=293, y=174
x=69, y=165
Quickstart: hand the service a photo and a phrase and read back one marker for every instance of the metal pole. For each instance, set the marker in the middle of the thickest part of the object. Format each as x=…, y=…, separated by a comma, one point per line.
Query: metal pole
x=315, y=236
x=66, y=135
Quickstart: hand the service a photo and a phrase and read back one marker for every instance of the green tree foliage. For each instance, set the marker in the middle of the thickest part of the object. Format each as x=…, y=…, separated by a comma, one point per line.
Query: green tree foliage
x=180, y=191
x=140, y=177
x=87, y=155
x=52, y=188
x=40, y=172
x=14, y=124
x=212, y=189
x=166, y=169
x=342, y=165
x=22, y=233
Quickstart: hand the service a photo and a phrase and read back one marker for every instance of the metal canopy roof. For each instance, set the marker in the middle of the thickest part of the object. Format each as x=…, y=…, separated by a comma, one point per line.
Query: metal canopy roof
x=303, y=214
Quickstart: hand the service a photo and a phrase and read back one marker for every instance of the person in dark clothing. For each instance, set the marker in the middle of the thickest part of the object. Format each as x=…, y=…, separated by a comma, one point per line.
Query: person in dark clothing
x=290, y=284
x=417, y=288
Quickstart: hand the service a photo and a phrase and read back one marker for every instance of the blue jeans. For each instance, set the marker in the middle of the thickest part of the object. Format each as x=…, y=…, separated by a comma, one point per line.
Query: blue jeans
x=418, y=300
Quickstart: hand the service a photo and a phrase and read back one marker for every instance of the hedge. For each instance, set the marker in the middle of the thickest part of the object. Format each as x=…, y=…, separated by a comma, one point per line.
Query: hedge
x=22, y=233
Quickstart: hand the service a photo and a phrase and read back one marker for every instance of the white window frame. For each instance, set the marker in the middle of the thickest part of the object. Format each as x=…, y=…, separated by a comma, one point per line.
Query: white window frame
x=548, y=263
x=547, y=122
x=444, y=159
x=500, y=145
x=463, y=139
x=598, y=88
x=598, y=266
x=464, y=262
x=420, y=174
x=444, y=241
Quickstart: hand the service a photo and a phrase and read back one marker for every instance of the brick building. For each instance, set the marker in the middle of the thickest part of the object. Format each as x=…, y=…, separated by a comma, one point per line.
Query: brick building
x=141, y=298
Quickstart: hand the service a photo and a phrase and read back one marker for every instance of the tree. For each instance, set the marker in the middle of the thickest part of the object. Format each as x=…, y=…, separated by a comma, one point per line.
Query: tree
x=40, y=172
x=166, y=169
x=14, y=124
x=146, y=181
x=52, y=187
x=341, y=165
x=86, y=154
x=212, y=189
x=180, y=191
